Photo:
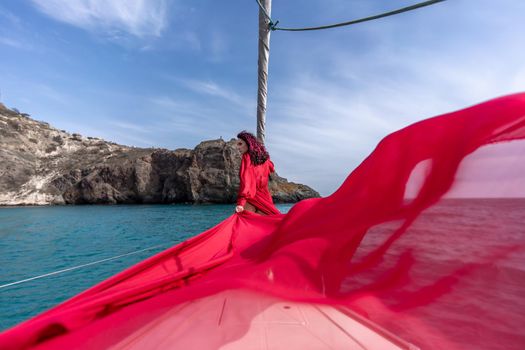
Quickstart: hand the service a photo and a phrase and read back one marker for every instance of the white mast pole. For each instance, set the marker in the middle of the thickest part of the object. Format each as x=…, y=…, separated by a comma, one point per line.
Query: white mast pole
x=264, y=56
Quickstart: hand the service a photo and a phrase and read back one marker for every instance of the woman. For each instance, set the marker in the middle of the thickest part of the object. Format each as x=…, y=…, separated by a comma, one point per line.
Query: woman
x=256, y=166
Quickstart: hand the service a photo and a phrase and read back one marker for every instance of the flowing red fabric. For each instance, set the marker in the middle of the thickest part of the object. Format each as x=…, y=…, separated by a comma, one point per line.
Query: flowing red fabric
x=425, y=238
x=254, y=185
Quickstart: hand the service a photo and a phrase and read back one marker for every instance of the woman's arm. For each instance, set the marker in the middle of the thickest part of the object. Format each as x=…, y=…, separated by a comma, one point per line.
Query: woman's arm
x=247, y=186
x=272, y=167
x=271, y=170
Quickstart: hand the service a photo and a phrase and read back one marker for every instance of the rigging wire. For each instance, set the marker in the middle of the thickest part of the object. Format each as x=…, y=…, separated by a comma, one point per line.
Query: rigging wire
x=78, y=266
x=273, y=25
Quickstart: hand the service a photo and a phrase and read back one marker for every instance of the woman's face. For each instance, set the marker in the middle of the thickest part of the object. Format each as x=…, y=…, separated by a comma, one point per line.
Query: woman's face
x=242, y=146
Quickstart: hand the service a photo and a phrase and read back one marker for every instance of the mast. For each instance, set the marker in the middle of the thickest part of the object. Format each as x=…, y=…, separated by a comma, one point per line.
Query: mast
x=262, y=64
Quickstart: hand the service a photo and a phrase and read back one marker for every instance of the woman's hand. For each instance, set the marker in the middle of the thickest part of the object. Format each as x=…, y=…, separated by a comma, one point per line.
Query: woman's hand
x=239, y=208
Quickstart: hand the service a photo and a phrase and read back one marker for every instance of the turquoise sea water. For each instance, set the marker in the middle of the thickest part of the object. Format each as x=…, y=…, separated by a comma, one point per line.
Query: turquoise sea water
x=39, y=240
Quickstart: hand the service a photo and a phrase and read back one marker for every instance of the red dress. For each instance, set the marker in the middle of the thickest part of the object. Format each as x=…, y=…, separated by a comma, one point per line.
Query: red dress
x=254, y=185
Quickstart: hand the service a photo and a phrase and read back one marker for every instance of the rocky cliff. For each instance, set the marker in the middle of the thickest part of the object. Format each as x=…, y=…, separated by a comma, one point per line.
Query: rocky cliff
x=42, y=165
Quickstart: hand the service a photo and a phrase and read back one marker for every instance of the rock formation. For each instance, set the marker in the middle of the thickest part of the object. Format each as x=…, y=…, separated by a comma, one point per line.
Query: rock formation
x=42, y=165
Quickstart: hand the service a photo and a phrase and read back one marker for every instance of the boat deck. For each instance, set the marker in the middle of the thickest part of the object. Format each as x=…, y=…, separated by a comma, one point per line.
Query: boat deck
x=236, y=319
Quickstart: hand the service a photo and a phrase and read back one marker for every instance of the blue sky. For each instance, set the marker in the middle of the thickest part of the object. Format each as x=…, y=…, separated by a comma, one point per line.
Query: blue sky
x=174, y=73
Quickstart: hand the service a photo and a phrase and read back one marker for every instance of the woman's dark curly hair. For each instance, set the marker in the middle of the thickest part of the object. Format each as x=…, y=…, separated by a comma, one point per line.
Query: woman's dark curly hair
x=257, y=151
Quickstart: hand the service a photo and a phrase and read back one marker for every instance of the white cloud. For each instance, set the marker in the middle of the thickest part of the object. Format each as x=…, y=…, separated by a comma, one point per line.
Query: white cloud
x=14, y=20
x=131, y=139
x=139, y=18
x=191, y=39
x=51, y=94
x=131, y=127
x=211, y=88
x=14, y=43
x=188, y=117
x=218, y=46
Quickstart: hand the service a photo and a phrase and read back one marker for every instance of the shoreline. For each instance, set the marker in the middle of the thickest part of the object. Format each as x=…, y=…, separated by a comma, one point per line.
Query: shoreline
x=115, y=204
